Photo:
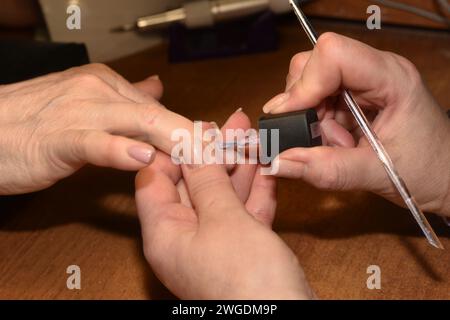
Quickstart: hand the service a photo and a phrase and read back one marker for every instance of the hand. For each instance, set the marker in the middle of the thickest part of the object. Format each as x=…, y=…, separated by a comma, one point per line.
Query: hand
x=409, y=122
x=51, y=126
x=208, y=236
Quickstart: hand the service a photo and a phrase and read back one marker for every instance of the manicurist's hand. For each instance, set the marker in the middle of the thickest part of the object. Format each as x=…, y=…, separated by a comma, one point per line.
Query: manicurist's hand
x=408, y=120
x=53, y=125
x=208, y=235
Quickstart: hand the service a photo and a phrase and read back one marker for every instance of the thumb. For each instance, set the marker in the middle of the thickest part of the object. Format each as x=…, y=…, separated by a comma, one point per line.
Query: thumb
x=78, y=147
x=333, y=168
x=211, y=192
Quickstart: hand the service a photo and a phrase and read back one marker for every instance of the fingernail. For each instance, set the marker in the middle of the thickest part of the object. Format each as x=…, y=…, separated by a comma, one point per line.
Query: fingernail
x=142, y=154
x=214, y=125
x=290, y=169
x=238, y=110
x=155, y=77
x=276, y=102
x=216, y=128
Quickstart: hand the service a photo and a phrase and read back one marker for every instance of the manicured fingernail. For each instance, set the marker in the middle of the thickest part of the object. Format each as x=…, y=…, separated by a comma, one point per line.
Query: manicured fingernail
x=142, y=154
x=238, y=110
x=290, y=169
x=216, y=129
x=276, y=102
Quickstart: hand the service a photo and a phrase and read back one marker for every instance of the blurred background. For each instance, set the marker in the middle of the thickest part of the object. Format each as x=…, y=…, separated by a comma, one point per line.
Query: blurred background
x=101, y=20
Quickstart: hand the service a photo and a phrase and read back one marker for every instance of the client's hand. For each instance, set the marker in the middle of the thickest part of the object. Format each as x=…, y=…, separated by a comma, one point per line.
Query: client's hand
x=208, y=236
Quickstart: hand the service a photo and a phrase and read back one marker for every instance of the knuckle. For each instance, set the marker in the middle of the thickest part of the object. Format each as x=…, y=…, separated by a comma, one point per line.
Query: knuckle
x=296, y=63
x=409, y=69
x=329, y=42
x=332, y=175
x=327, y=179
x=263, y=215
x=87, y=80
x=98, y=68
x=206, y=184
x=151, y=112
x=111, y=146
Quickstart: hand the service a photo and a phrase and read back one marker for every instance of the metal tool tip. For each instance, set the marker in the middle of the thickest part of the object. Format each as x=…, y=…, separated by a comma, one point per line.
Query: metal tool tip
x=437, y=244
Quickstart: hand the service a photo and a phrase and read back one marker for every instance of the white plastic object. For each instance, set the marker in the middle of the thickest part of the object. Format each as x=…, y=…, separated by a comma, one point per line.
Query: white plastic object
x=198, y=14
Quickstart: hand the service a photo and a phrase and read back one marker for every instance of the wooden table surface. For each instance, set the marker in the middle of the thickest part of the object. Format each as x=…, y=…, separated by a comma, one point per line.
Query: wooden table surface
x=90, y=219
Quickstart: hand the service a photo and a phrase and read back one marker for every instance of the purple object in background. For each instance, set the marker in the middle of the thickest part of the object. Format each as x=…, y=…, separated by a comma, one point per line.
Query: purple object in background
x=249, y=35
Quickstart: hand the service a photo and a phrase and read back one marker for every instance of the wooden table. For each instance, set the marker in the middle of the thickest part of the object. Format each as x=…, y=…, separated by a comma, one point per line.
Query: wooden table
x=90, y=220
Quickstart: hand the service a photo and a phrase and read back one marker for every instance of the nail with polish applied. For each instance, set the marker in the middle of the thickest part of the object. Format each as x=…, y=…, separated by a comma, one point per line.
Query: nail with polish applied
x=276, y=102
x=142, y=154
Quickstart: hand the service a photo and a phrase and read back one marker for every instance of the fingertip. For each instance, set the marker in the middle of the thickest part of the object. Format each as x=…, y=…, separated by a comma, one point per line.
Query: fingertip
x=151, y=86
x=238, y=120
x=277, y=104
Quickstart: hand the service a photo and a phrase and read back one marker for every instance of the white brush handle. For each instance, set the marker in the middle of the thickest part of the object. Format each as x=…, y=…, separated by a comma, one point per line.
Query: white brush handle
x=204, y=13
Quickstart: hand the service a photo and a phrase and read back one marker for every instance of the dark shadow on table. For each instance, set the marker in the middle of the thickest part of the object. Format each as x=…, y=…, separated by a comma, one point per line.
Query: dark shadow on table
x=352, y=214
x=102, y=198
x=83, y=198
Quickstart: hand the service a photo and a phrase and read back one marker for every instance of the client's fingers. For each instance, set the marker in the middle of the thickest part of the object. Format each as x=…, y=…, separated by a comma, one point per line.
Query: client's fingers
x=242, y=175
x=262, y=201
x=102, y=149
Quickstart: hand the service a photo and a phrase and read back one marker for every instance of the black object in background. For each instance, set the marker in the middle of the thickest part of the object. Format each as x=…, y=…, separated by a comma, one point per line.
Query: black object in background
x=22, y=60
x=243, y=36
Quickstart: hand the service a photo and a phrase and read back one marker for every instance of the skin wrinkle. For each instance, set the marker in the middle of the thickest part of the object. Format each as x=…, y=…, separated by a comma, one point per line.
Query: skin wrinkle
x=53, y=112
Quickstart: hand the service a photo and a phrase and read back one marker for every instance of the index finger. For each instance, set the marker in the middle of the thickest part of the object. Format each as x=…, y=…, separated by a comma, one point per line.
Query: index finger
x=337, y=62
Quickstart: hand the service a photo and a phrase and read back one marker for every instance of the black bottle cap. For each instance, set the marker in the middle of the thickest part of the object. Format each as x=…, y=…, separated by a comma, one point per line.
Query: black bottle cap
x=299, y=129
